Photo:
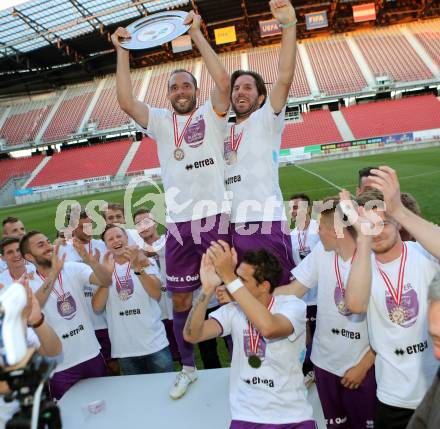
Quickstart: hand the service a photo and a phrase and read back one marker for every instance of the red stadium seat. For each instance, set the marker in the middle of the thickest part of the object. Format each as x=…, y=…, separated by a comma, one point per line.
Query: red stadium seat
x=81, y=163
x=18, y=167
x=146, y=157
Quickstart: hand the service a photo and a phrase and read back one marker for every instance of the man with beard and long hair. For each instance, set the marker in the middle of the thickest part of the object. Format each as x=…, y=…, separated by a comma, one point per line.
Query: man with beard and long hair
x=190, y=148
x=252, y=145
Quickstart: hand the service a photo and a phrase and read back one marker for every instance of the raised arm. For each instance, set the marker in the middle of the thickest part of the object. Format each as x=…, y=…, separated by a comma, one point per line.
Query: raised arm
x=221, y=92
x=124, y=89
x=198, y=329
x=426, y=233
x=283, y=11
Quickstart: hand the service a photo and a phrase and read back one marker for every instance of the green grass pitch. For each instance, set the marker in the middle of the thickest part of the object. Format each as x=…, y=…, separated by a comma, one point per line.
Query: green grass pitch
x=419, y=173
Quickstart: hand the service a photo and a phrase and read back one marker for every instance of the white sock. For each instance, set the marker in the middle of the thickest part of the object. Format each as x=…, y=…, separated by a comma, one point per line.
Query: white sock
x=188, y=369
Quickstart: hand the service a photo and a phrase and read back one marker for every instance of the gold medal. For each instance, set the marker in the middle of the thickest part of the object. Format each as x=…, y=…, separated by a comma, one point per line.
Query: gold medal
x=179, y=154
x=65, y=307
x=123, y=295
x=232, y=159
x=254, y=361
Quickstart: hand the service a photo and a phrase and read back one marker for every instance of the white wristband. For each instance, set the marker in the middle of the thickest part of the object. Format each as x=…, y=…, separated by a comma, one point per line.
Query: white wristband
x=234, y=286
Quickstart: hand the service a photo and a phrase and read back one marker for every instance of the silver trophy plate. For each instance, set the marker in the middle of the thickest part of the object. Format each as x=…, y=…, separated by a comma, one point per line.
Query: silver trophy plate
x=155, y=30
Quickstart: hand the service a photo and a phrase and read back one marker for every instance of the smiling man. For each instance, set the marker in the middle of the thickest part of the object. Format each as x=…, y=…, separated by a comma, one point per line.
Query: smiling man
x=252, y=145
x=190, y=148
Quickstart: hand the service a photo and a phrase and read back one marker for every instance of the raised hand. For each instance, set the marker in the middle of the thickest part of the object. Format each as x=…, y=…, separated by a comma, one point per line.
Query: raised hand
x=224, y=260
x=223, y=296
x=57, y=263
x=32, y=311
x=108, y=261
x=386, y=181
x=194, y=20
x=282, y=11
x=120, y=35
x=208, y=276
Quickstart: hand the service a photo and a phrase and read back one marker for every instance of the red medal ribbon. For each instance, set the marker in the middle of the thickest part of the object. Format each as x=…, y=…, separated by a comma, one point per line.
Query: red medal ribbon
x=54, y=290
x=396, y=294
x=178, y=139
x=302, y=240
x=118, y=280
x=338, y=272
x=255, y=337
x=90, y=247
x=235, y=143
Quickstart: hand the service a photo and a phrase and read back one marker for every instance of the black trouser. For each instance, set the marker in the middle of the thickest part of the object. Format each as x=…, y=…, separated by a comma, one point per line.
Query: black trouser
x=208, y=349
x=389, y=417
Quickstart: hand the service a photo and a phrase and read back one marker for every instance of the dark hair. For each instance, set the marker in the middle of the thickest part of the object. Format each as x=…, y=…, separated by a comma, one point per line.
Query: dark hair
x=6, y=242
x=301, y=196
x=109, y=227
x=142, y=210
x=24, y=242
x=364, y=172
x=266, y=267
x=335, y=211
x=369, y=194
x=193, y=78
x=259, y=82
x=410, y=203
x=10, y=219
x=114, y=206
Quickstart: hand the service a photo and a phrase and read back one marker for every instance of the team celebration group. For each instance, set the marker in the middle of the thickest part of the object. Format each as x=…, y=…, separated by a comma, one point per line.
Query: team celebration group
x=350, y=301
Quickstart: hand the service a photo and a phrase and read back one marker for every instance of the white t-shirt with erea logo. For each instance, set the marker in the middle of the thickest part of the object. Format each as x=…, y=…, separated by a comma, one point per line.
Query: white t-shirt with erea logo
x=405, y=363
x=275, y=392
x=98, y=319
x=341, y=338
x=70, y=317
x=194, y=186
x=302, y=244
x=134, y=318
x=252, y=173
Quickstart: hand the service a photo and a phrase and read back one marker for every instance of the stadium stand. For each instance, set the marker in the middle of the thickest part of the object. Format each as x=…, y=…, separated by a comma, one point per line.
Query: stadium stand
x=25, y=120
x=157, y=88
x=317, y=127
x=265, y=62
x=334, y=66
x=428, y=35
x=82, y=163
x=70, y=112
x=18, y=167
x=389, y=53
x=396, y=116
x=107, y=113
x=232, y=62
x=146, y=157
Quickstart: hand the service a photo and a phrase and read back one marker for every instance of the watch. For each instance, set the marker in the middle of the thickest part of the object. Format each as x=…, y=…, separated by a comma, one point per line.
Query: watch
x=140, y=272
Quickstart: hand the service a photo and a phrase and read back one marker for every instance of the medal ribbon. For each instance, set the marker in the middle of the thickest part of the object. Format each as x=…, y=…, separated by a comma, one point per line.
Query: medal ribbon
x=302, y=240
x=338, y=272
x=59, y=295
x=254, y=338
x=396, y=294
x=179, y=139
x=118, y=280
x=235, y=143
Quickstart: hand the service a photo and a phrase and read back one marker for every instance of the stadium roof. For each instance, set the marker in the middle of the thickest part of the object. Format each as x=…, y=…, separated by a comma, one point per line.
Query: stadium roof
x=48, y=44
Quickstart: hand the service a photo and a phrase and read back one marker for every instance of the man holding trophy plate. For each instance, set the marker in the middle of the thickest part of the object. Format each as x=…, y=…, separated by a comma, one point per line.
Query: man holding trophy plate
x=186, y=136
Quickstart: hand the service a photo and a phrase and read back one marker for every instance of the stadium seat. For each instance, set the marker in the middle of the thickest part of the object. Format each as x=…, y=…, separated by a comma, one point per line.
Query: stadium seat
x=334, y=66
x=146, y=157
x=25, y=120
x=18, y=167
x=70, y=112
x=388, y=52
x=265, y=62
x=317, y=127
x=107, y=114
x=81, y=163
x=393, y=117
x=428, y=34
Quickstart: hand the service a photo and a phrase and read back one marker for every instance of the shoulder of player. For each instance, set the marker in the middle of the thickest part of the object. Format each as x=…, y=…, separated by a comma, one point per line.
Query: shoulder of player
x=281, y=301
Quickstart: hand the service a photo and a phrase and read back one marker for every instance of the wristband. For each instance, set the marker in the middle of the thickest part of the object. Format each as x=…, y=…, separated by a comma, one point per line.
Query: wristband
x=234, y=286
x=289, y=24
x=39, y=323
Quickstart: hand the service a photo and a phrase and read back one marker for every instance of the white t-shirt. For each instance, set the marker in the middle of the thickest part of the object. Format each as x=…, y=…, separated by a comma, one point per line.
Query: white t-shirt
x=166, y=302
x=341, y=338
x=194, y=187
x=98, y=319
x=6, y=278
x=306, y=240
x=134, y=318
x=405, y=363
x=253, y=177
x=70, y=318
x=275, y=392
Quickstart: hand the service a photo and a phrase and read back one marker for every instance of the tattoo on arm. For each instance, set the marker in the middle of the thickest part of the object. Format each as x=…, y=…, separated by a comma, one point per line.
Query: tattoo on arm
x=202, y=298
